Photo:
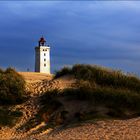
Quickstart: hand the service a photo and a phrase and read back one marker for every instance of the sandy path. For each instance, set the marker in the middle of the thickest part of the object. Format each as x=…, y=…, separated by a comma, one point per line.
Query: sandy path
x=29, y=109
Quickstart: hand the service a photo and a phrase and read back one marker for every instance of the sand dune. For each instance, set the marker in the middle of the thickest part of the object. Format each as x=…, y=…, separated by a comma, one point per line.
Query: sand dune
x=37, y=84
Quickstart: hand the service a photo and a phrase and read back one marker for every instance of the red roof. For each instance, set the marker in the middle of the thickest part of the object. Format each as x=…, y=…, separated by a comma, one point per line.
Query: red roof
x=42, y=40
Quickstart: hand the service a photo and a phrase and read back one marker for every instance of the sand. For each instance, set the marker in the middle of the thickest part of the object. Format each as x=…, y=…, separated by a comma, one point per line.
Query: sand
x=37, y=84
x=101, y=130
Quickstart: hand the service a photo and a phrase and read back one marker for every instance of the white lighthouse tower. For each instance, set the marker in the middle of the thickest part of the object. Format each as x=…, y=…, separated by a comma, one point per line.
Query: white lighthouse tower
x=42, y=57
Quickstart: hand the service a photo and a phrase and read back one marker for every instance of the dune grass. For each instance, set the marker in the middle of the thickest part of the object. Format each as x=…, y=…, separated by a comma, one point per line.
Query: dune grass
x=117, y=91
x=8, y=117
x=102, y=76
x=12, y=92
x=52, y=103
x=12, y=87
x=120, y=104
x=105, y=96
x=113, y=88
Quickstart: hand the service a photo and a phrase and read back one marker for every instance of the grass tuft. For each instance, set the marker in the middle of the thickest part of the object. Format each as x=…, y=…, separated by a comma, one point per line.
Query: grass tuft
x=12, y=87
x=8, y=117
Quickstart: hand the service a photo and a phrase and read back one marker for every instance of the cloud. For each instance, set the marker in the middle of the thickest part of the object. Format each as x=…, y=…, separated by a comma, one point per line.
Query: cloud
x=104, y=32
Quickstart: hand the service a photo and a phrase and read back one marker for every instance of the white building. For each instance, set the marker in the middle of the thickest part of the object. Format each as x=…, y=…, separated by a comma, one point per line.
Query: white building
x=42, y=57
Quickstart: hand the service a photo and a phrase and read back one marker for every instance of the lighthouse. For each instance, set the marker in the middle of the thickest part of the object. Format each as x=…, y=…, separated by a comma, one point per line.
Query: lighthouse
x=42, y=57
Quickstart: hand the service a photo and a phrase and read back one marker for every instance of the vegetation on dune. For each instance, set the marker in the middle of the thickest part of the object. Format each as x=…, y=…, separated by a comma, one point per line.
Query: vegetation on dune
x=118, y=103
x=62, y=72
x=12, y=92
x=117, y=93
x=8, y=117
x=113, y=90
x=47, y=112
x=12, y=87
x=102, y=76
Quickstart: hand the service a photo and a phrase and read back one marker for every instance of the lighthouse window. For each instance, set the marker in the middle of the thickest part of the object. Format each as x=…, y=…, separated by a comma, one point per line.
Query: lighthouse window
x=44, y=54
x=44, y=59
x=44, y=65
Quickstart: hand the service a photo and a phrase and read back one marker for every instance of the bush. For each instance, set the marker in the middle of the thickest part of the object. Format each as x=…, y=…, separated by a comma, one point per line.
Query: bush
x=12, y=87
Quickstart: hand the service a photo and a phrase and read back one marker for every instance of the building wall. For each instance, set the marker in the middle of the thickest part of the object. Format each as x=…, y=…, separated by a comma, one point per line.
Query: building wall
x=37, y=59
x=42, y=59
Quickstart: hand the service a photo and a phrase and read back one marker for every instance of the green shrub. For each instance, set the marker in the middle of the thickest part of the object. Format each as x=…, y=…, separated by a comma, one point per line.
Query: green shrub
x=12, y=87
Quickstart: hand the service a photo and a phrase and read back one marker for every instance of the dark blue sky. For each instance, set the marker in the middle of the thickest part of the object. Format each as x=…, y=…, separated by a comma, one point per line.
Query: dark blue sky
x=95, y=32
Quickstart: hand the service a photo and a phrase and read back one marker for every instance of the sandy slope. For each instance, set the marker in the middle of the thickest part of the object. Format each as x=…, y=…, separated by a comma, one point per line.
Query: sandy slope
x=37, y=84
x=35, y=76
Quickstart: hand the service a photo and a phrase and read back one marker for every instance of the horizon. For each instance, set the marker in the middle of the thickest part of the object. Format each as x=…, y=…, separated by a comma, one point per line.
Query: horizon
x=104, y=33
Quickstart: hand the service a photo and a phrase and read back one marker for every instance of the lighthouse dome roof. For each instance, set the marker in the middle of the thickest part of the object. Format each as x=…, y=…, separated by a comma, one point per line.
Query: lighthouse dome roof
x=42, y=39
